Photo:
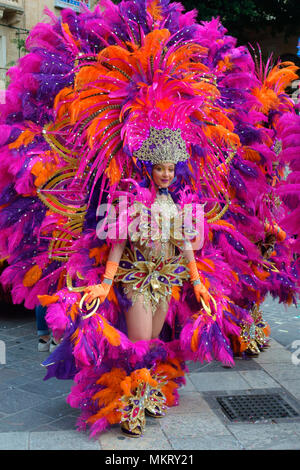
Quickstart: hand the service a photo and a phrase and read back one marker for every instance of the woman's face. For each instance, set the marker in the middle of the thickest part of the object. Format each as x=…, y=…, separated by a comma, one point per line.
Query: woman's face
x=163, y=174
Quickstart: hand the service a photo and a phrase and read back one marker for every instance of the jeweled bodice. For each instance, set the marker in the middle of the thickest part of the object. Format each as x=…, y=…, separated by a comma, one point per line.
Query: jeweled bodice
x=157, y=230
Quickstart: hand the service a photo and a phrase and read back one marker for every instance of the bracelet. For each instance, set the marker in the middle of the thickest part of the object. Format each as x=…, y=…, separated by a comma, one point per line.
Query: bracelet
x=196, y=282
x=107, y=281
x=95, y=303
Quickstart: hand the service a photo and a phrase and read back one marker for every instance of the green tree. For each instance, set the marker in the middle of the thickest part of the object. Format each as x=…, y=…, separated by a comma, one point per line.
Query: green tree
x=240, y=15
x=21, y=46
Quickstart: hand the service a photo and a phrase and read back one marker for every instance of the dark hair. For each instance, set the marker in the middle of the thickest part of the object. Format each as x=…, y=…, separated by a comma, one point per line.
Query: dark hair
x=183, y=177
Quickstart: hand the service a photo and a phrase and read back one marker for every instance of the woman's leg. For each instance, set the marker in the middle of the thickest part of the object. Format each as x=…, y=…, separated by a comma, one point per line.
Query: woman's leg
x=159, y=318
x=139, y=321
x=41, y=325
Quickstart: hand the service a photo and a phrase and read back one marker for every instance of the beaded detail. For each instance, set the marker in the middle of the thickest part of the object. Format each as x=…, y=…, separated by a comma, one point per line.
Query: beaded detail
x=163, y=145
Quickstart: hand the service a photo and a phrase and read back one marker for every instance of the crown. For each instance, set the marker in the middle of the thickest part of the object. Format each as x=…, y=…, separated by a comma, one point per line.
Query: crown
x=163, y=145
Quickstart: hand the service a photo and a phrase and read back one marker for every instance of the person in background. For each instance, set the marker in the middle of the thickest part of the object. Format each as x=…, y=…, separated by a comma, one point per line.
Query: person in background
x=46, y=341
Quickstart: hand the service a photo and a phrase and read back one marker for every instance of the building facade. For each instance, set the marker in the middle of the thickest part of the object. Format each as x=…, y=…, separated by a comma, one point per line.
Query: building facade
x=17, y=18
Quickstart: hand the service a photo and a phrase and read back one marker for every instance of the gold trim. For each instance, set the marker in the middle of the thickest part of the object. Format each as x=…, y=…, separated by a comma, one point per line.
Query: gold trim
x=89, y=306
x=64, y=152
x=70, y=285
x=56, y=206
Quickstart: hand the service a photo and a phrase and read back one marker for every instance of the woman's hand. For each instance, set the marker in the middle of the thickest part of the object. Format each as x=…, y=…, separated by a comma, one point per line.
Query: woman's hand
x=99, y=291
x=201, y=292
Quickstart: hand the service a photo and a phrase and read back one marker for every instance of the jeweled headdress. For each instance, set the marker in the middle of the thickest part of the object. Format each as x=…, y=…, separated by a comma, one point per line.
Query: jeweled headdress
x=163, y=145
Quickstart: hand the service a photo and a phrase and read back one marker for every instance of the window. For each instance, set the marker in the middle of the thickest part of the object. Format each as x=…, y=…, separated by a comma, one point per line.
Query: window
x=2, y=76
x=2, y=52
x=74, y=4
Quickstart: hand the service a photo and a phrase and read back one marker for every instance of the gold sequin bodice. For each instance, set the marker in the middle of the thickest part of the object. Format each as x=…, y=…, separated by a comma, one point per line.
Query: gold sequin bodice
x=156, y=230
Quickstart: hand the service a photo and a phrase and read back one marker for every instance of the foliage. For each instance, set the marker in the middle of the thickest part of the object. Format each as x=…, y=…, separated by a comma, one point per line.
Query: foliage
x=240, y=15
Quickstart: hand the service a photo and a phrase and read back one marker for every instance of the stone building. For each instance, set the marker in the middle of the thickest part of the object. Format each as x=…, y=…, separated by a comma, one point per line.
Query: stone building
x=17, y=17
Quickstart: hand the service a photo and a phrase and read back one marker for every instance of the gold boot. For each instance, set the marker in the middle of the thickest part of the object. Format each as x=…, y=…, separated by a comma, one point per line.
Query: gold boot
x=133, y=413
x=155, y=404
x=133, y=432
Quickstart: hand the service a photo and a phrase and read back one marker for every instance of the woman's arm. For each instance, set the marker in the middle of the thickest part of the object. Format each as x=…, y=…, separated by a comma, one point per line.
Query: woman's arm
x=199, y=289
x=116, y=251
x=188, y=252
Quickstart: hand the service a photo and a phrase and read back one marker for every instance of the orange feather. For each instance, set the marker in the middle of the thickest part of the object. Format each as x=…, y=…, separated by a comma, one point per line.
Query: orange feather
x=250, y=155
x=48, y=299
x=111, y=334
x=194, y=341
x=25, y=138
x=99, y=253
x=32, y=276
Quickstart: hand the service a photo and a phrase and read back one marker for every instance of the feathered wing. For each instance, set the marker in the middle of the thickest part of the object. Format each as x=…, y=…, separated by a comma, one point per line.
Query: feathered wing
x=78, y=107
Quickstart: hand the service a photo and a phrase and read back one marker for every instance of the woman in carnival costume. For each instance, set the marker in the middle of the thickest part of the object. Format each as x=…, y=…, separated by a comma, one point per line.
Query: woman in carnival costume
x=137, y=102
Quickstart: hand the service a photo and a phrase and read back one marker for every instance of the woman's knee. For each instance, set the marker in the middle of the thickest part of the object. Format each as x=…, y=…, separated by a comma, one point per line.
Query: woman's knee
x=140, y=337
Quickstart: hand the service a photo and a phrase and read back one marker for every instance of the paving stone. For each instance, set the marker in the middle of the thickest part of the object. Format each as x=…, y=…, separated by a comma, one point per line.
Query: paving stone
x=282, y=373
x=267, y=436
x=65, y=423
x=221, y=381
x=293, y=386
x=20, y=351
x=62, y=440
x=14, y=441
x=8, y=325
x=20, y=332
x=44, y=428
x=258, y=379
x=206, y=443
x=7, y=374
x=193, y=425
x=54, y=408
x=190, y=402
x=200, y=367
x=49, y=388
x=8, y=340
x=153, y=438
x=15, y=356
x=26, y=420
x=13, y=400
x=286, y=332
x=188, y=387
x=19, y=380
x=273, y=344
x=28, y=342
x=244, y=364
x=30, y=365
x=240, y=364
x=276, y=355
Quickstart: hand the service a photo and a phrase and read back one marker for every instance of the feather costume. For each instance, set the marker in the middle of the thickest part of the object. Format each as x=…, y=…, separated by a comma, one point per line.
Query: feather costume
x=78, y=109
